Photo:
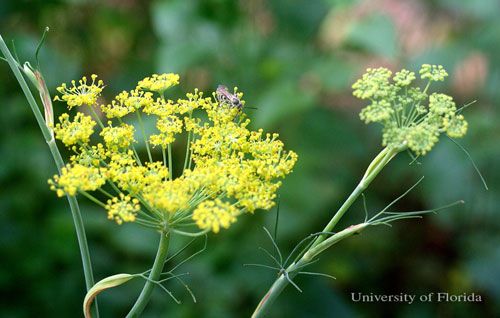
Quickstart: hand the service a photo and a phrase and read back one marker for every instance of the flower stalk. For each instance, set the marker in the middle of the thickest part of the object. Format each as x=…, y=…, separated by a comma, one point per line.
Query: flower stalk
x=47, y=132
x=154, y=275
x=322, y=242
x=378, y=163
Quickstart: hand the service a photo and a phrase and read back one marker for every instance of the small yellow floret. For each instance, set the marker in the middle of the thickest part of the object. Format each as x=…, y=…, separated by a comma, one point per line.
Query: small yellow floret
x=168, y=127
x=214, y=215
x=93, y=156
x=117, y=138
x=127, y=102
x=123, y=209
x=435, y=73
x=76, y=178
x=159, y=83
x=82, y=94
x=455, y=126
x=74, y=132
x=169, y=196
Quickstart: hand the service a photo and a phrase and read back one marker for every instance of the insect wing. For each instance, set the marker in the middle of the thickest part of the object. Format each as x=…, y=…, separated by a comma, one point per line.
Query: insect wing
x=223, y=95
x=227, y=98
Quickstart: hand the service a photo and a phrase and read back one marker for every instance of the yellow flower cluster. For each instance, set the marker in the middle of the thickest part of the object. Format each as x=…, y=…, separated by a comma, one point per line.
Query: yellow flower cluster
x=228, y=169
x=435, y=73
x=117, y=138
x=126, y=103
x=74, y=132
x=89, y=156
x=123, y=208
x=76, y=177
x=159, y=83
x=168, y=127
x=124, y=172
x=82, y=94
x=215, y=214
x=170, y=196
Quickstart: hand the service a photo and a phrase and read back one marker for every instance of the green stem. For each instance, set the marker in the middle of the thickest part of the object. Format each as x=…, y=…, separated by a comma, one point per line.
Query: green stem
x=24, y=86
x=188, y=146
x=190, y=158
x=412, y=113
x=143, y=132
x=47, y=134
x=136, y=154
x=93, y=199
x=164, y=156
x=380, y=161
x=96, y=116
x=137, y=158
x=322, y=243
x=294, y=269
x=154, y=275
x=170, y=167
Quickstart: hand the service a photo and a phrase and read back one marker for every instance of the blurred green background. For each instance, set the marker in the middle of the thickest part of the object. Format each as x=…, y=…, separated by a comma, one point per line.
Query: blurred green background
x=295, y=61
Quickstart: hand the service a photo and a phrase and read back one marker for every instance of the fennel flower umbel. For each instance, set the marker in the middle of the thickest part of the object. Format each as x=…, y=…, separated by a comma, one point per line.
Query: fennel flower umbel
x=229, y=169
x=412, y=118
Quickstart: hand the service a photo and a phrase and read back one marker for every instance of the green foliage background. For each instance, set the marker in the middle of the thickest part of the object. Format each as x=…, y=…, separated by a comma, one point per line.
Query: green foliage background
x=295, y=61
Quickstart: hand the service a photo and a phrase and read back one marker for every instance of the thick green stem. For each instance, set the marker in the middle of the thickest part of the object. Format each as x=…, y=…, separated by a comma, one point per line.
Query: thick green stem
x=322, y=242
x=49, y=138
x=294, y=269
x=154, y=275
x=82, y=243
x=380, y=161
x=78, y=221
x=276, y=288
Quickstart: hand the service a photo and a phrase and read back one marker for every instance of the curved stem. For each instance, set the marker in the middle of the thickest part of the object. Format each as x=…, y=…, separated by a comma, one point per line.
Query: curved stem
x=49, y=138
x=188, y=146
x=154, y=275
x=164, y=156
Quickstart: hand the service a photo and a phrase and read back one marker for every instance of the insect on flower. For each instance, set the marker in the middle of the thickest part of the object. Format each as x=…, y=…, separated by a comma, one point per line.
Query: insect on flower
x=222, y=155
x=224, y=97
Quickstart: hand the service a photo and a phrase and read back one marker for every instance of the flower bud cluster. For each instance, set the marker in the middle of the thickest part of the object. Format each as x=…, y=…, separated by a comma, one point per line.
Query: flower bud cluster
x=411, y=117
